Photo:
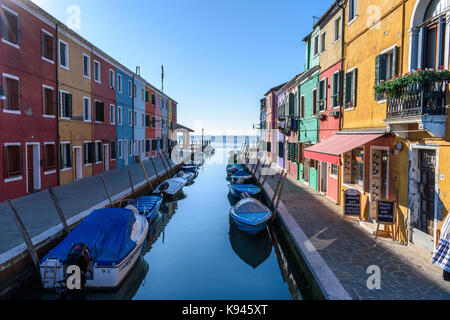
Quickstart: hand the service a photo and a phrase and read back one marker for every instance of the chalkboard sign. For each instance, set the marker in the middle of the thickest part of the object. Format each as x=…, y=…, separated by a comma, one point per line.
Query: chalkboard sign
x=386, y=211
x=352, y=202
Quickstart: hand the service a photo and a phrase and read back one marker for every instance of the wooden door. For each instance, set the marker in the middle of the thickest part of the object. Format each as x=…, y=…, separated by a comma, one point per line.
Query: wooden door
x=427, y=191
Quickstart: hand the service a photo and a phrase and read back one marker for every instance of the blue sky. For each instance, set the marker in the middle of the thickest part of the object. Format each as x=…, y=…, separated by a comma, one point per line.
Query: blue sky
x=220, y=57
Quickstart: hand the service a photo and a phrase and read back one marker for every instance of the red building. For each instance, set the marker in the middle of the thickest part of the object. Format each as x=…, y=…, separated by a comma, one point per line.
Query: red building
x=28, y=152
x=104, y=113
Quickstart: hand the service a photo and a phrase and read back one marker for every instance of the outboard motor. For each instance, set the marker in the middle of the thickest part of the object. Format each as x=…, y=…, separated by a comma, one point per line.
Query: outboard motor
x=79, y=255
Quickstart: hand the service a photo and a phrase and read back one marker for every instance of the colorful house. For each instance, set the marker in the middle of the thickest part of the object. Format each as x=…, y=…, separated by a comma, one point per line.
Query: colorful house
x=308, y=109
x=103, y=112
x=158, y=121
x=328, y=96
x=124, y=126
x=139, y=116
x=281, y=125
x=164, y=123
x=28, y=122
x=272, y=123
x=149, y=118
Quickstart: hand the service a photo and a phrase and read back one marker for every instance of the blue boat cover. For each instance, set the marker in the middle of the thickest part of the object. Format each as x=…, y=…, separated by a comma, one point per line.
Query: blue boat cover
x=147, y=203
x=248, y=188
x=240, y=173
x=106, y=232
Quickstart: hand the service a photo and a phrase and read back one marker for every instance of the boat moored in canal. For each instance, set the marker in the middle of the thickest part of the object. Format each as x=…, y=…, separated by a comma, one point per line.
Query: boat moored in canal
x=250, y=215
x=241, y=191
x=233, y=167
x=105, y=246
x=189, y=176
x=190, y=168
x=241, y=177
x=170, y=187
x=148, y=206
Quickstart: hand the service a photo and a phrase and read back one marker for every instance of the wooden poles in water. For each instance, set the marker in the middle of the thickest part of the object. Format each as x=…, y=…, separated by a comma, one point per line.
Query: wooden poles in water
x=131, y=183
x=58, y=209
x=107, y=192
x=145, y=173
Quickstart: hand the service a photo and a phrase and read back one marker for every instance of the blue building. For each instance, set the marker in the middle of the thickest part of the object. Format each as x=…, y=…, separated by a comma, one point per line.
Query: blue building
x=124, y=124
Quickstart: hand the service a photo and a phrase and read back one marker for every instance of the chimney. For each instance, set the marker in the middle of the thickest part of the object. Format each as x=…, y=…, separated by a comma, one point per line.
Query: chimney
x=138, y=71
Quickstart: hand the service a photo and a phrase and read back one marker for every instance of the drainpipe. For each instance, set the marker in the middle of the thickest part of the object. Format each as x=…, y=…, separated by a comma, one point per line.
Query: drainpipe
x=58, y=151
x=341, y=5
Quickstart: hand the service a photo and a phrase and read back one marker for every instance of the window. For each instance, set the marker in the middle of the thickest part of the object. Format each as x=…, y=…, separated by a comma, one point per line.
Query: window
x=323, y=94
x=112, y=114
x=48, y=101
x=334, y=170
x=49, y=157
x=351, y=80
x=120, y=149
x=316, y=45
x=11, y=88
x=147, y=120
x=65, y=107
x=136, y=146
x=130, y=118
x=142, y=94
x=63, y=55
x=129, y=88
x=358, y=166
x=147, y=96
x=314, y=102
x=323, y=42
x=352, y=10
x=143, y=120
x=88, y=153
x=119, y=116
x=112, y=76
x=99, y=111
x=154, y=145
x=135, y=119
x=87, y=109
x=47, y=46
x=134, y=91
x=119, y=83
x=153, y=99
x=98, y=152
x=142, y=144
x=147, y=145
x=153, y=122
x=86, y=66
x=385, y=68
x=97, y=74
x=302, y=107
x=12, y=161
x=10, y=28
x=66, y=155
x=130, y=148
x=113, y=150
x=336, y=89
x=337, y=29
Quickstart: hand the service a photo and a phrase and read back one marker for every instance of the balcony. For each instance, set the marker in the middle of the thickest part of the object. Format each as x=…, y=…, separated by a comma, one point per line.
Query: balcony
x=424, y=105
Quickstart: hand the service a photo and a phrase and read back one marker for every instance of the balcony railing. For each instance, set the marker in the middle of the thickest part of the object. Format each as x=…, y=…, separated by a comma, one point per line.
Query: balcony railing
x=418, y=100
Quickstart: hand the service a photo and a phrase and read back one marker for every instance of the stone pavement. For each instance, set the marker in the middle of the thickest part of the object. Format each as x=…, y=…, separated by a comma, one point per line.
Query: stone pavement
x=348, y=250
x=38, y=211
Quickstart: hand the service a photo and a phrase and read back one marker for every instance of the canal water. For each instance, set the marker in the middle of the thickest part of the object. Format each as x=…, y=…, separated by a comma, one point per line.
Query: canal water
x=194, y=252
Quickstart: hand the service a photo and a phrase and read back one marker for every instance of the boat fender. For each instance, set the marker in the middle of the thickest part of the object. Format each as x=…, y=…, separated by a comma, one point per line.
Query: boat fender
x=80, y=256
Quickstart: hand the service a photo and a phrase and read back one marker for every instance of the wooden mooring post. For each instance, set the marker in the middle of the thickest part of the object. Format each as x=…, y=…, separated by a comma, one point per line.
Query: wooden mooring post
x=164, y=164
x=276, y=190
x=146, y=175
x=154, y=167
x=58, y=209
x=172, y=172
x=265, y=176
x=25, y=235
x=256, y=168
x=131, y=183
x=279, y=194
x=107, y=192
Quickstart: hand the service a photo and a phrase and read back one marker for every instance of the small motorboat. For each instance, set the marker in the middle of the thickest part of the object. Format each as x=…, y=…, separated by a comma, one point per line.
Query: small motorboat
x=148, y=206
x=241, y=191
x=170, y=187
x=189, y=176
x=241, y=177
x=233, y=167
x=190, y=168
x=250, y=215
x=105, y=246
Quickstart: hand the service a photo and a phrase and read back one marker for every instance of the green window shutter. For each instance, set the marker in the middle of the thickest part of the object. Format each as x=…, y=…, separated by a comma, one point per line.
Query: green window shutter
x=69, y=155
x=332, y=84
x=339, y=88
x=348, y=88
x=354, y=86
x=68, y=105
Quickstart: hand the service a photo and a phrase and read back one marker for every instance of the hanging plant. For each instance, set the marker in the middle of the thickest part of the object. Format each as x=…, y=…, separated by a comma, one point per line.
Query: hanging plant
x=395, y=86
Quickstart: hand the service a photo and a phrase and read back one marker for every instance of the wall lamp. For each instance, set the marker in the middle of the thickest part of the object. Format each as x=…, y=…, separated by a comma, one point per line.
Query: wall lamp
x=2, y=94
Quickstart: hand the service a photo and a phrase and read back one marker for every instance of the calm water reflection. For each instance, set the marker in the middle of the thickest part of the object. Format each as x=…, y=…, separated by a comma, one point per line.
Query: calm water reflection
x=194, y=251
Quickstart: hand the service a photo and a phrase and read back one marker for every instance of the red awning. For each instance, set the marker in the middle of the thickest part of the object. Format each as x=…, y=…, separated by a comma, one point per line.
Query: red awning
x=331, y=149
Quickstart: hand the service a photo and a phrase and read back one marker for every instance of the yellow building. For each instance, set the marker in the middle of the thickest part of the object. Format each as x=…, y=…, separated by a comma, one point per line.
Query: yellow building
x=75, y=106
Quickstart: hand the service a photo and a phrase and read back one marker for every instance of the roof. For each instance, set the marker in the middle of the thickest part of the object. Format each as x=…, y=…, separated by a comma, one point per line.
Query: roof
x=329, y=13
x=288, y=84
x=275, y=89
x=179, y=126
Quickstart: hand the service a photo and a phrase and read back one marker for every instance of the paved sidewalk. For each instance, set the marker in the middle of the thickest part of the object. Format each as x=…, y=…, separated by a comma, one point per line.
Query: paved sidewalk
x=348, y=250
x=38, y=211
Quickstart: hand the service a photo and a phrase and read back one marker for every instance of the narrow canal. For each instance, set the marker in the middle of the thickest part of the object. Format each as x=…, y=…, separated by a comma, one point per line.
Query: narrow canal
x=194, y=252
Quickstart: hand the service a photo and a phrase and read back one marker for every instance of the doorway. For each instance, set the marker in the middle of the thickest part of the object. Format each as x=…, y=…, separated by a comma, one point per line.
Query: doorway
x=33, y=167
x=427, y=167
x=323, y=177
x=77, y=163
x=105, y=157
x=379, y=177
